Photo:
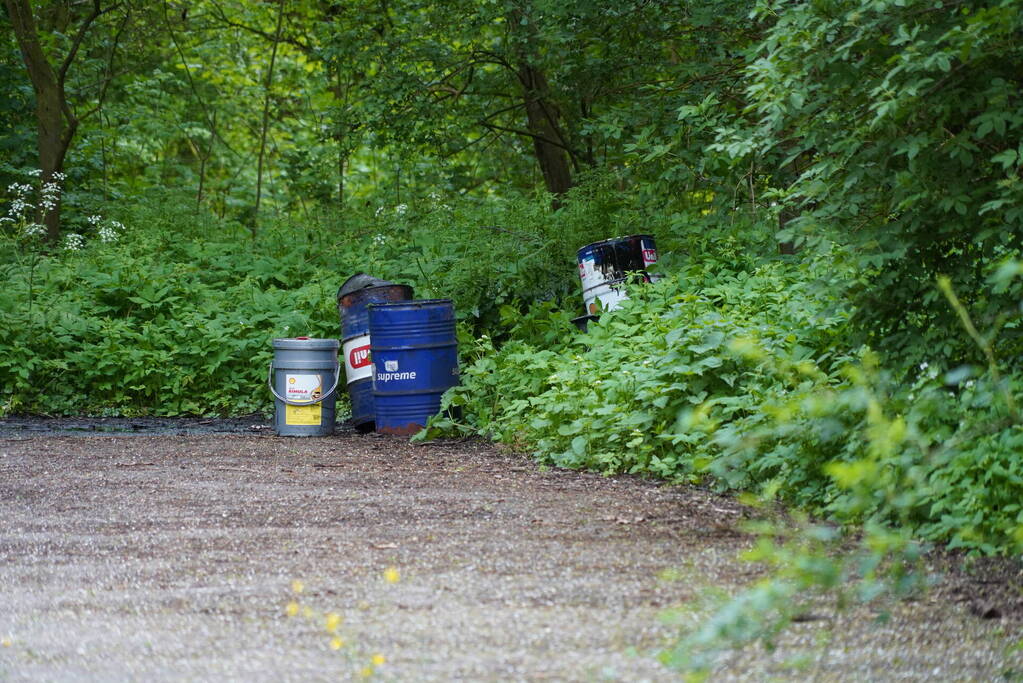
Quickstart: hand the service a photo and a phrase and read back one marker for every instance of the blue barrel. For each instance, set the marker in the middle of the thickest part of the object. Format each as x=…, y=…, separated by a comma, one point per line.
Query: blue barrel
x=415, y=360
x=353, y=298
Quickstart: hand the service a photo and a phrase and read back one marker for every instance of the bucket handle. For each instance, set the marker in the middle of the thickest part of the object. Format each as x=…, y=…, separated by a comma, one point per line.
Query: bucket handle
x=270, y=384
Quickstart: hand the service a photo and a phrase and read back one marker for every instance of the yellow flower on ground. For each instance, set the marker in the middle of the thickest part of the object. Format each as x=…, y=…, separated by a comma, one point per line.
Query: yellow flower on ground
x=366, y=672
x=336, y=643
x=307, y=612
x=6, y=642
x=378, y=660
x=391, y=575
x=297, y=586
x=292, y=608
x=332, y=622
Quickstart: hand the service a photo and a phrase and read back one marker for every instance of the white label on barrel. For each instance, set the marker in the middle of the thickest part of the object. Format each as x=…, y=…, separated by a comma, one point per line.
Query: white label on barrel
x=358, y=363
x=604, y=298
x=303, y=387
x=589, y=274
x=649, y=256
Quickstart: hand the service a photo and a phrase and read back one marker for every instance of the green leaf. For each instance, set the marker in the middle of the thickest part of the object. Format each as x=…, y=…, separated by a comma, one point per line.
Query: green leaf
x=1006, y=158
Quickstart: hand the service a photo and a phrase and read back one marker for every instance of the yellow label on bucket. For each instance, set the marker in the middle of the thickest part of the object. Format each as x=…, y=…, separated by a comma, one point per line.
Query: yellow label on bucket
x=303, y=415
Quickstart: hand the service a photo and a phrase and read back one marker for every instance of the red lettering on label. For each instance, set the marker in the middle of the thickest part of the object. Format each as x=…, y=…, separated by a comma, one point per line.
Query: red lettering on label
x=649, y=256
x=359, y=357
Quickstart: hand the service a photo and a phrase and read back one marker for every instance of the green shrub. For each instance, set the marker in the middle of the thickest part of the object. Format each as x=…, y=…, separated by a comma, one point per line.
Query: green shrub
x=742, y=378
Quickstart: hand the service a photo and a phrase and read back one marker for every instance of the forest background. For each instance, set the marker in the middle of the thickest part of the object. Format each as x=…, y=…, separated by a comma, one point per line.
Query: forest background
x=834, y=186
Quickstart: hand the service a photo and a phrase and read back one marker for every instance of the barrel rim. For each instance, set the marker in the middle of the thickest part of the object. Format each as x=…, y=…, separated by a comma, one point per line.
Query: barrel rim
x=350, y=337
x=294, y=344
x=365, y=290
x=417, y=303
x=613, y=239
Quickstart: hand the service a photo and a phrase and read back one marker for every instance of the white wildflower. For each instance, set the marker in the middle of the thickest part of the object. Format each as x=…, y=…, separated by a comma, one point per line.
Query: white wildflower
x=73, y=241
x=50, y=195
x=379, y=238
x=34, y=230
x=36, y=172
x=379, y=211
x=401, y=209
x=108, y=234
x=94, y=220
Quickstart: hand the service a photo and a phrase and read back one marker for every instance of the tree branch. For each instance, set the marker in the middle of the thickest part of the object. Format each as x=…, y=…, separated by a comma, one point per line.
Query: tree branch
x=295, y=42
x=210, y=124
x=266, y=115
x=77, y=42
x=109, y=75
x=516, y=131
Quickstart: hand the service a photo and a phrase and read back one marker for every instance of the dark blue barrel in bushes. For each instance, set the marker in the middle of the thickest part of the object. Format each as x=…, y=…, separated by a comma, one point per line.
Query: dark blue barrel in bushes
x=604, y=268
x=415, y=360
x=353, y=298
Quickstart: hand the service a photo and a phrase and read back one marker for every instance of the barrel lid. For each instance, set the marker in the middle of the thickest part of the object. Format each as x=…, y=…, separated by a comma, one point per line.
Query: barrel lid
x=390, y=291
x=614, y=240
x=305, y=343
x=360, y=281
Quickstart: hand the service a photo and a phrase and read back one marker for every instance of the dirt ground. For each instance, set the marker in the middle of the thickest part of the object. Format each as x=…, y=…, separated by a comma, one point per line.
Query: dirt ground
x=169, y=553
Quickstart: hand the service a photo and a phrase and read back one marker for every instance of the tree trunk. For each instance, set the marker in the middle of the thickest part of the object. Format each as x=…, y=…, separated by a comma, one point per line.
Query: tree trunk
x=55, y=133
x=542, y=121
x=542, y=115
x=54, y=140
x=788, y=175
x=266, y=116
x=55, y=120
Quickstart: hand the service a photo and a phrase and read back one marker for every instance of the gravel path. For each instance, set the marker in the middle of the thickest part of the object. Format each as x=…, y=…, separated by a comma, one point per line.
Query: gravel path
x=173, y=558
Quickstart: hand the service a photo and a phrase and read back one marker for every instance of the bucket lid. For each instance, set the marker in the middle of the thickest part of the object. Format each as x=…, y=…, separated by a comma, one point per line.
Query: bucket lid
x=360, y=281
x=305, y=343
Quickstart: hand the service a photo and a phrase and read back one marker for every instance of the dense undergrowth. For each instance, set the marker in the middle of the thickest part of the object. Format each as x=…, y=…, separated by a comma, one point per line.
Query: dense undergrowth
x=741, y=378
x=174, y=312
